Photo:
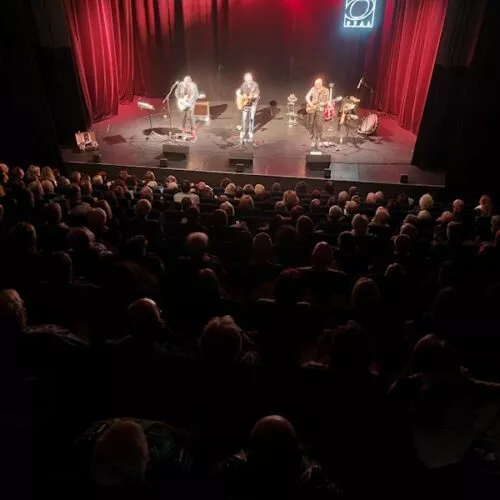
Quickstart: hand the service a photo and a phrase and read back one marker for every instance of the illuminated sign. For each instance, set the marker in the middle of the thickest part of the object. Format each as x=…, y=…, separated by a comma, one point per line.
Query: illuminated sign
x=359, y=13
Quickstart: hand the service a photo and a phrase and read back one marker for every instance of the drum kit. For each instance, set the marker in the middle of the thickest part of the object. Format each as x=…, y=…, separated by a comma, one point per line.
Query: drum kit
x=348, y=113
x=343, y=107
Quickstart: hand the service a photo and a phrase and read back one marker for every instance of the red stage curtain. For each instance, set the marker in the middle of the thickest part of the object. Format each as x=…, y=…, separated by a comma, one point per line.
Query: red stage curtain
x=409, y=42
x=154, y=47
x=100, y=65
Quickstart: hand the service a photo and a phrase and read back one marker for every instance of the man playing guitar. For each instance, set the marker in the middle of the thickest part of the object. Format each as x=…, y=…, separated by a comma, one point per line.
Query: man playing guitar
x=247, y=98
x=317, y=99
x=187, y=94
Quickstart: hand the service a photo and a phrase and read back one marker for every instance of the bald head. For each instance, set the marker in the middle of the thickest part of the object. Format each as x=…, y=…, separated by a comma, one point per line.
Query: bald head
x=144, y=316
x=322, y=255
x=121, y=454
x=143, y=207
x=273, y=436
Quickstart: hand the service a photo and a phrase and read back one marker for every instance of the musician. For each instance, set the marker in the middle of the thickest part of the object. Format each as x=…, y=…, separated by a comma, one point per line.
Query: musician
x=251, y=89
x=188, y=90
x=317, y=99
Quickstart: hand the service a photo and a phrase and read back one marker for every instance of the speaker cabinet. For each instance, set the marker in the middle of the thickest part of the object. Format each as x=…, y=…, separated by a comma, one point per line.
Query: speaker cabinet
x=318, y=161
x=241, y=157
x=202, y=111
x=176, y=151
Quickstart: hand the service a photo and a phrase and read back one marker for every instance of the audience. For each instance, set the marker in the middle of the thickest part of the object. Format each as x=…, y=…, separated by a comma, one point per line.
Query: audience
x=370, y=323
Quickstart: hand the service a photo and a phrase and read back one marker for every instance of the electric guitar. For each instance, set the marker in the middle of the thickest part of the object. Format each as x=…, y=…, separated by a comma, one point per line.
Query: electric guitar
x=187, y=102
x=330, y=111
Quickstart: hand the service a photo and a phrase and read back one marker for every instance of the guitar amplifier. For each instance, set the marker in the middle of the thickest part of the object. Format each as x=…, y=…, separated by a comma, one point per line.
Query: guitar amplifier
x=202, y=111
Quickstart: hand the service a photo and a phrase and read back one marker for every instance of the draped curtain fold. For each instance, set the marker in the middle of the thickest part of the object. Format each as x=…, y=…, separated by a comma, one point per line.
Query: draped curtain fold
x=99, y=65
x=408, y=47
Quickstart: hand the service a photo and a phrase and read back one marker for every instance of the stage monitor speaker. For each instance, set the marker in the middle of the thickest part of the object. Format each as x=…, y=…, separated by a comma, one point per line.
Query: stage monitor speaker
x=176, y=151
x=327, y=173
x=318, y=161
x=403, y=179
x=244, y=158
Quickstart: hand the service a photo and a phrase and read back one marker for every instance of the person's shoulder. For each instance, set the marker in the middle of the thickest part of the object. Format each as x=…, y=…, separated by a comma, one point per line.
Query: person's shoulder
x=405, y=386
x=337, y=273
x=314, y=478
x=305, y=269
x=233, y=464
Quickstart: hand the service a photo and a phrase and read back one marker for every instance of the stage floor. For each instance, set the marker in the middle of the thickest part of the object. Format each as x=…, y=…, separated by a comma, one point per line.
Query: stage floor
x=280, y=151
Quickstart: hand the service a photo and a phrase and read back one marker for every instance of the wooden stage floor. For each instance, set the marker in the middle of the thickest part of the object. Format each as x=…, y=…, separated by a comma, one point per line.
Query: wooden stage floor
x=126, y=139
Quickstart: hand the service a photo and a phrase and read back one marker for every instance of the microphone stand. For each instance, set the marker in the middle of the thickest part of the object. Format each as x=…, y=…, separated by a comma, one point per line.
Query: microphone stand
x=220, y=67
x=167, y=100
x=371, y=93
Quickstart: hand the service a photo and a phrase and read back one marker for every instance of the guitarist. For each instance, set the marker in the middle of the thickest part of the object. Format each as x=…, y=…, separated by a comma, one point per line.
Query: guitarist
x=317, y=99
x=250, y=90
x=188, y=90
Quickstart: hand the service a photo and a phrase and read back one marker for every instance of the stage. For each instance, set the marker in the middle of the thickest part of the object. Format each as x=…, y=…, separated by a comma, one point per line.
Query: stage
x=280, y=150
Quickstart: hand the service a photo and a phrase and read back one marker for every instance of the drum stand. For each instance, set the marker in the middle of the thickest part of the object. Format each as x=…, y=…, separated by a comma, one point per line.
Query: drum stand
x=292, y=115
x=347, y=126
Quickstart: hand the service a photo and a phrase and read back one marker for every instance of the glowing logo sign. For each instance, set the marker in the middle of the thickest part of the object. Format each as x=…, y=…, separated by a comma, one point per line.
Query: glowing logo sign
x=359, y=13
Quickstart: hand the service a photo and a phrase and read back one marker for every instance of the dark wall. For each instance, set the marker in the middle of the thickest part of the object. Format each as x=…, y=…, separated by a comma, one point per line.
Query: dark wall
x=59, y=76
x=27, y=128
x=458, y=128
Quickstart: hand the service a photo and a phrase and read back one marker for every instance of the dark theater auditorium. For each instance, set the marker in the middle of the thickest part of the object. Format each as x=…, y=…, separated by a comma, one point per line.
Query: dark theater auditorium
x=250, y=249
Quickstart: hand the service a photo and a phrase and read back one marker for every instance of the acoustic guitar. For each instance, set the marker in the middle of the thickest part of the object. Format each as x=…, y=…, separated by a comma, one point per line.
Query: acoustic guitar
x=244, y=100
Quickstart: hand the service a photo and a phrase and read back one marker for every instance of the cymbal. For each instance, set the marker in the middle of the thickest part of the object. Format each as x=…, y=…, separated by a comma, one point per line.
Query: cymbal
x=338, y=98
x=354, y=99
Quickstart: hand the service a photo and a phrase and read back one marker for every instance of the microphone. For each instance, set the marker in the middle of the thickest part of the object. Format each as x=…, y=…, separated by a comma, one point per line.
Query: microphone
x=361, y=82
